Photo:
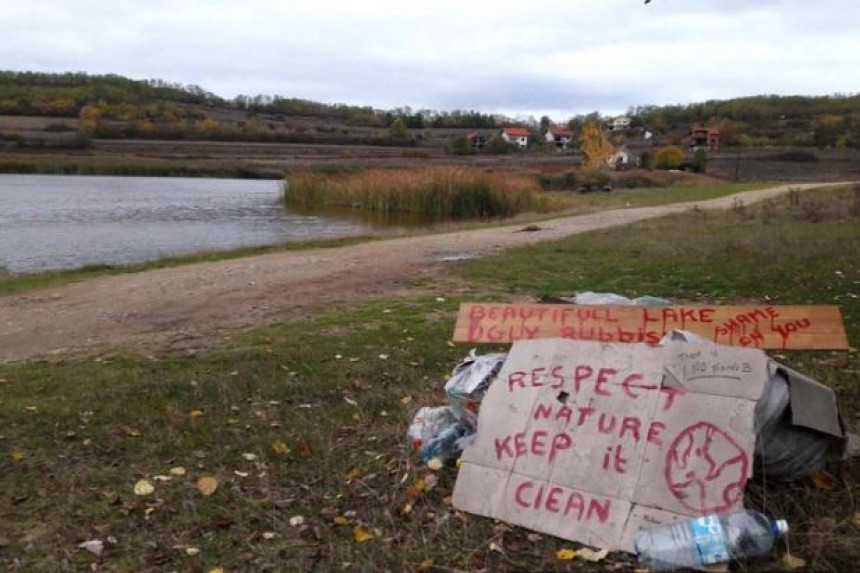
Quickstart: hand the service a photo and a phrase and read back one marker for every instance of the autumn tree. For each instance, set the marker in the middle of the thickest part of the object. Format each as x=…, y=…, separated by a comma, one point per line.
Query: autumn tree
x=594, y=145
x=669, y=157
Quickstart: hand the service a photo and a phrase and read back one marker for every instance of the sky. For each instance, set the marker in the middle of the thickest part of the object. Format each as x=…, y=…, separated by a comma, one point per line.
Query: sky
x=517, y=57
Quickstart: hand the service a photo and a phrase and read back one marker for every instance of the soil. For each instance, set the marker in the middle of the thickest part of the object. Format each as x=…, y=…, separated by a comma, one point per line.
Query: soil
x=198, y=305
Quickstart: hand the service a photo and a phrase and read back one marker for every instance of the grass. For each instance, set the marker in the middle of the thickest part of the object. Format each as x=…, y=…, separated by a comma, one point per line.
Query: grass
x=15, y=282
x=442, y=192
x=338, y=390
x=132, y=167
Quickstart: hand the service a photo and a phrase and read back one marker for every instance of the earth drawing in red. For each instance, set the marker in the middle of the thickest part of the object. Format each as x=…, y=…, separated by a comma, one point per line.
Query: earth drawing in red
x=706, y=470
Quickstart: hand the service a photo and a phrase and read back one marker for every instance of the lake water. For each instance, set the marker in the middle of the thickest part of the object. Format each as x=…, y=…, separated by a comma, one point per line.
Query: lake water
x=57, y=222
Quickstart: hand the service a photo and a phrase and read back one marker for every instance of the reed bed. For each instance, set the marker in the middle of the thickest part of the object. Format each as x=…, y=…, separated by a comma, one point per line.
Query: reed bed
x=440, y=192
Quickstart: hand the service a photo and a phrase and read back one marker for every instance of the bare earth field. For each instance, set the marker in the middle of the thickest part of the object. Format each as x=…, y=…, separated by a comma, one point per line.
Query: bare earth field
x=197, y=305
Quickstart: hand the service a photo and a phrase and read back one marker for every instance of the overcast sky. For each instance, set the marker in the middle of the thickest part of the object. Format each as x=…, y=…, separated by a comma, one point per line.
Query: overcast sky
x=558, y=57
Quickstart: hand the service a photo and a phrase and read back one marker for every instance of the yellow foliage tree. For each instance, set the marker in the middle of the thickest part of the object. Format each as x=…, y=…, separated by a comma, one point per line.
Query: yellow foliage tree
x=594, y=145
x=89, y=118
x=669, y=157
x=209, y=125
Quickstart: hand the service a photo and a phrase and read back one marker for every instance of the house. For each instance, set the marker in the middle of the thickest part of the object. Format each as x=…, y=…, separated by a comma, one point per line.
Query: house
x=516, y=136
x=704, y=138
x=620, y=123
x=560, y=137
x=476, y=140
x=619, y=159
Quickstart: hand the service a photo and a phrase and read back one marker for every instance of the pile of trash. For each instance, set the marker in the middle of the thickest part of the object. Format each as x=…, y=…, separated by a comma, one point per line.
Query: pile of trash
x=784, y=449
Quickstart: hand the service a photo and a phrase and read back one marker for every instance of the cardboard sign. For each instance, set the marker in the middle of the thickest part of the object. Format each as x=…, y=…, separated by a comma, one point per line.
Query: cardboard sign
x=589, y=441
x=768, y=327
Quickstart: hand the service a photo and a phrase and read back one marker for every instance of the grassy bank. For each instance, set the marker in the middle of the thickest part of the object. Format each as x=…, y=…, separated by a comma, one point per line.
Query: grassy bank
x=307, y=420
x=128, y=167
x=444, y=192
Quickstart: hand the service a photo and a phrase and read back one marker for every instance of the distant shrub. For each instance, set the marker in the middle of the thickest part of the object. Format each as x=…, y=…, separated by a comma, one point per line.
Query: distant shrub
x=558, y=181
x=669, y=157
x=646, y=160
x=636, y=182
x=498, y=146
x=444, y=192
x=699, y=162
x=458, y=145
x=595, y=180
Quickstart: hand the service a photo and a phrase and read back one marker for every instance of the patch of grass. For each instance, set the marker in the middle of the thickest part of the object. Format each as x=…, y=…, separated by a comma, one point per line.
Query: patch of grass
x=339, y=390
x=443, y=192
x=13, y=282
x=132, y=168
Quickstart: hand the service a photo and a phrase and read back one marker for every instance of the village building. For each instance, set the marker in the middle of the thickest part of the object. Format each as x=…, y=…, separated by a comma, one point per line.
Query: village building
x=620, y=123
x=704, y=138
x=516, y=136
x=559, y=137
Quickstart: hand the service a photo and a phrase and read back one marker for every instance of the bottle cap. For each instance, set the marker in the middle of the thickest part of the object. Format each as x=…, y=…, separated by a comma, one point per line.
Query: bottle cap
x=781, y=526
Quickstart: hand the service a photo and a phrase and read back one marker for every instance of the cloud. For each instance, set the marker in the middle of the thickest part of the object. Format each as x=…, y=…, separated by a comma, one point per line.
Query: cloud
x=569, y=56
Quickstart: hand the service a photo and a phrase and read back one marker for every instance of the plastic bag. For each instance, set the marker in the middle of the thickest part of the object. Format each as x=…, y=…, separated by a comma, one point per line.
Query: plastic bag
x=429, y=423
x=589, y=297
x=469, y=383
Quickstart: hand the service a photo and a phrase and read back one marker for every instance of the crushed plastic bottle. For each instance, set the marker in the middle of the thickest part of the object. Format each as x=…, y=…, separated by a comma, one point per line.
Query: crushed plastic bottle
x=448, y=444
x=707, y=540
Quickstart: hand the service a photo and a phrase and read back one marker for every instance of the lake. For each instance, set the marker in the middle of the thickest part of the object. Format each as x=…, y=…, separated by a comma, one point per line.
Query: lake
x=59, y=222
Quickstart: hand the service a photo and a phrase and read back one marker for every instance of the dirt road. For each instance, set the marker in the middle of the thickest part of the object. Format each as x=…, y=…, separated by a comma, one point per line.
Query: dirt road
x=198, y=303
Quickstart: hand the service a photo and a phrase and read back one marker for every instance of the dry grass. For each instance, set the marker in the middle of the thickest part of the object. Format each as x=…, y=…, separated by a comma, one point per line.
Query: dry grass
x=445, y=192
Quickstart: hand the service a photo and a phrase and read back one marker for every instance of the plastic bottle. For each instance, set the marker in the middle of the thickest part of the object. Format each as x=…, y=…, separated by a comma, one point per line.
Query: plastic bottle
x=707, y=540
x=445, y=446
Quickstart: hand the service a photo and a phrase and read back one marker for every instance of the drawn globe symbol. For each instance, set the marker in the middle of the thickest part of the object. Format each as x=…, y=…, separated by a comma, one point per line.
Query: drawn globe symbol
x=706, y=470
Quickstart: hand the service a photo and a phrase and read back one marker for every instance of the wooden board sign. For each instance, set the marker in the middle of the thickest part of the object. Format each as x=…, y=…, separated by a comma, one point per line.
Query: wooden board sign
x=807, y=327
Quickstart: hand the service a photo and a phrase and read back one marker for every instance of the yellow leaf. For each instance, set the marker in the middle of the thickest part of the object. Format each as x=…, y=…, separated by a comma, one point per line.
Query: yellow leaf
x=131, y=431
x=592, y=555
x=361, y=534
x=823, y=480
x=790, y=562
x=17, y=455
x=407, y=509
x=196, y=413
x=353, y=474
x=280, y=448
x=177, y=471
x=339, y=520
x=143, y=487
x=216, y=570
x=207, y=485
x=856, y=520
x=565, y=554
x=406, y=400
x=426, y=564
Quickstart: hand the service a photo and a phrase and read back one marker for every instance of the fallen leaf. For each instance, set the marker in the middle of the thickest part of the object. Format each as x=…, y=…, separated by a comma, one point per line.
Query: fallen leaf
x=339, y=520
x=133, y=432
x=407, y=509
x=435, y=464
x=856, y=519
x=350, y=401
x=304, y=449
x=592, y=555
x=162, y=478
x=383, y=356
x=297, y=520
x=17, y=455
x=361, y=534
x=406, y=400
x=192, y=551
x=269, y=535
x=196, y=413
x=353, y=474
x=94, y=546
x=565, y=554
x=249, y=457
x=207, y=485
x=426, y=564
x=280, y=447
x=143, y=487
x=241, y=474
x=495, y=547
x=177, y=471
x=216, y=570
x=823, y=480
x=790, y=562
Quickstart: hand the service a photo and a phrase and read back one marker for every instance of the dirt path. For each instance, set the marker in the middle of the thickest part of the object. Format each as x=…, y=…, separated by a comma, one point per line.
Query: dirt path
x=197, y=303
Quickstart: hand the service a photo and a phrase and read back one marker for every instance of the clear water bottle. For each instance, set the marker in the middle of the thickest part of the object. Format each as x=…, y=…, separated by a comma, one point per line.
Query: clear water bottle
x=707, y=540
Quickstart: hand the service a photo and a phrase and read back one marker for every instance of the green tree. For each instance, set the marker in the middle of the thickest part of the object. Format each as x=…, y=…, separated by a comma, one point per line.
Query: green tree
x=397, y=129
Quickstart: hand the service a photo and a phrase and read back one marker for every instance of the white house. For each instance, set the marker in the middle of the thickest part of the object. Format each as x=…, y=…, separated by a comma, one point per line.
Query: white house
x=619, y=159
x=620, y=123
x=516, y=136
x=560, y=137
